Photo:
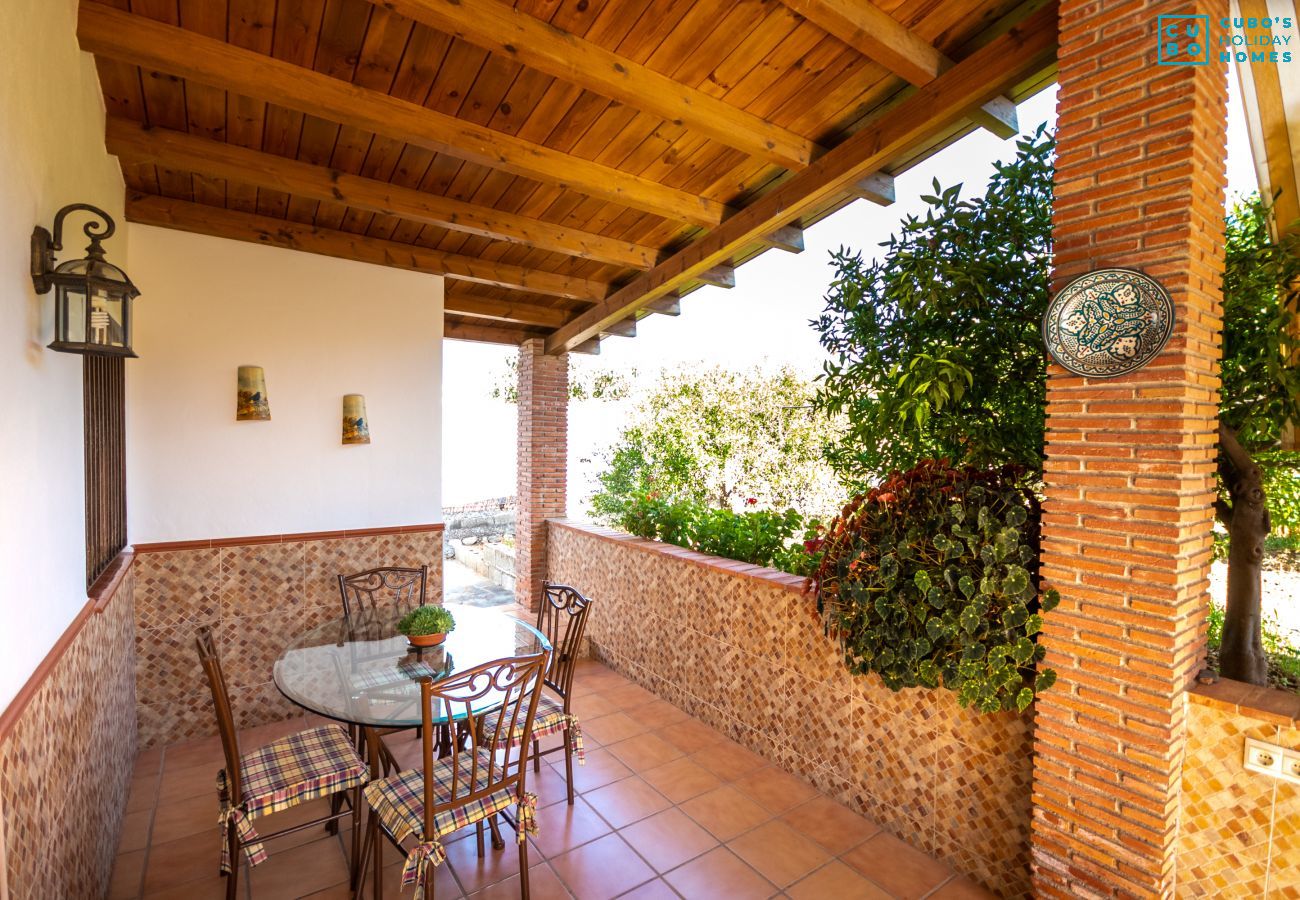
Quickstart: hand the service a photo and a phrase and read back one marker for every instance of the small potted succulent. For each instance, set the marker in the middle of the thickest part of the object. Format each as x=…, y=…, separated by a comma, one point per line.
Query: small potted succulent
x=426, y=626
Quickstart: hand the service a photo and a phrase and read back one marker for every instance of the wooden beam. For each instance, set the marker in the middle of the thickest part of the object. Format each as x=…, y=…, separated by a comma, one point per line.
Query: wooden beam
x=504, y=310
x=589, y=347
x=989, y=71
x=876, y=187
x=876, y=34
x=138, y=40
x=788, y=238
x=133, y=142
x=665, y=306
x=500, y=28
x=624, y=328
x=722, y=275
x=458, y=330
x=147, y=209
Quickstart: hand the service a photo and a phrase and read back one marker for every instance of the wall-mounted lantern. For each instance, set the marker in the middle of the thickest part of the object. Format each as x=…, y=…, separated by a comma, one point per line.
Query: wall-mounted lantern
x=92, y=297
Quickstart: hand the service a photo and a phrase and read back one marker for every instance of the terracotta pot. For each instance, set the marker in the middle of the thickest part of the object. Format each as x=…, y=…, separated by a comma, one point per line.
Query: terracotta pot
x=427, y=640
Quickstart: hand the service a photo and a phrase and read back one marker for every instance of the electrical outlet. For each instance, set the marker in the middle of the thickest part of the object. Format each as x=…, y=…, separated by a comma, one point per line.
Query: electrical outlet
x=1272, y=760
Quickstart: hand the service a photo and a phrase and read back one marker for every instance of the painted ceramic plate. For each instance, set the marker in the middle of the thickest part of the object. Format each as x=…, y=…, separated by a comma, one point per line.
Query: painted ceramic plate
x=1108, y=322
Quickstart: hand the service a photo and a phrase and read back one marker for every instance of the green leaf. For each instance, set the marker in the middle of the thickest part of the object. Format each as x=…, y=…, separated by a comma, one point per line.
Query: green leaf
x=1051, y=598
x=1024, y=698
x=970, y=619
x=1045, y=680
x=966, y=585
x=1016, y=581
x=1033, y=624
x=922, y=580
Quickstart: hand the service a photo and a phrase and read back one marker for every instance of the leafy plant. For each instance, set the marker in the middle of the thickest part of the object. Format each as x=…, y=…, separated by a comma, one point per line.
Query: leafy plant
x=931, y=579
x=427, y=620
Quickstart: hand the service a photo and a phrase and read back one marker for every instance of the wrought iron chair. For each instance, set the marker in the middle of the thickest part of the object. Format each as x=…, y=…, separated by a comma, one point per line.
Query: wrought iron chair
x=318, y=762
x=484, y=774
x=562, y=617
x=398, y=587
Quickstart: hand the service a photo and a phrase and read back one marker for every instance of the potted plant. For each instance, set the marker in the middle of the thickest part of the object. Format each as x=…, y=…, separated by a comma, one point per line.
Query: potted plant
x=426, y=626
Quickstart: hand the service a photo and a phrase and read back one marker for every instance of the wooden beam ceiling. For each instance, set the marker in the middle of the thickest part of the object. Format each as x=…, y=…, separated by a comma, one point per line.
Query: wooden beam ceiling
x=474, y=330
x=504, y=310
x=991, y=70
x=138, y=40
x=504, y=30
x=210, y=220
x=136, y=143
x=878, y=35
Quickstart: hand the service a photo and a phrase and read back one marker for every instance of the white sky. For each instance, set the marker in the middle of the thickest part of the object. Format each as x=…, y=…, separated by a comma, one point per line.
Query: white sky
x=762, y=320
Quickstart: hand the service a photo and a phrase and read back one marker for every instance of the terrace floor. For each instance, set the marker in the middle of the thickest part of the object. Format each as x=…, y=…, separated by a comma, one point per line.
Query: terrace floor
x=667, y=807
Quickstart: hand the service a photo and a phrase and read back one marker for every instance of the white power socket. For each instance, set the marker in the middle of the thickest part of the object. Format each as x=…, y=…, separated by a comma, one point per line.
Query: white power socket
x=1272, y=760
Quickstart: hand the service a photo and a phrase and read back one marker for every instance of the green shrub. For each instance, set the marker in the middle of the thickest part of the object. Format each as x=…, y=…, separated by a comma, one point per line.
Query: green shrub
x=427, y=620
x=932, y=579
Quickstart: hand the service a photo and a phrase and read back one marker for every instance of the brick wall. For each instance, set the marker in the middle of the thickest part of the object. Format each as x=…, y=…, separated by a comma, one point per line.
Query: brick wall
x=1130, y=461
x=541, y=472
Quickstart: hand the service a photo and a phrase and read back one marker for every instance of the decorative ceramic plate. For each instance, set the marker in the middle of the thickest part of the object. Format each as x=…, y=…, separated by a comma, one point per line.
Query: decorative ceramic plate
x=1109, y=322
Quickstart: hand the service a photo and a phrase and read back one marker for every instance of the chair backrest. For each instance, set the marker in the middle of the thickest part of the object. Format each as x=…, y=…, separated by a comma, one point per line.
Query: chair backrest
x=211, y=661
x=562, y=617
x=489, y=761
x=387, y=587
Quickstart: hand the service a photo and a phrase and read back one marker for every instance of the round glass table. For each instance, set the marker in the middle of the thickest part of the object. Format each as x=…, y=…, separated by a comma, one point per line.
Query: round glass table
x=362, y=672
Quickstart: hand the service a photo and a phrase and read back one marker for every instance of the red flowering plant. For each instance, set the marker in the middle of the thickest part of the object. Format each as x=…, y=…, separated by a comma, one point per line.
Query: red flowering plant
x=931, y=579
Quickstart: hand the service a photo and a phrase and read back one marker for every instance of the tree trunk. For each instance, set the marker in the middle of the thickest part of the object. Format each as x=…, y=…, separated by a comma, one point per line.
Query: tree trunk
x=1241, y=655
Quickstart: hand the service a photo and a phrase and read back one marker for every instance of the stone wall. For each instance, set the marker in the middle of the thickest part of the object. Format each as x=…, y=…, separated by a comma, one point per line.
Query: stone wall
x=740, y=648
x=67, y=750
x=1240, y=831
x=258, y=593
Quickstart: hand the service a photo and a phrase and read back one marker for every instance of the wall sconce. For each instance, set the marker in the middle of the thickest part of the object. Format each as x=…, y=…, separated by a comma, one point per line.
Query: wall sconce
x=356, y=427
x=252, y=404
x=92, y=298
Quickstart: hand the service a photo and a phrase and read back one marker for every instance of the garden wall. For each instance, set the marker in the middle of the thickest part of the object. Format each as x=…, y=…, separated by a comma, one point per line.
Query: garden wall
x=740, y=647
x=1240, y=831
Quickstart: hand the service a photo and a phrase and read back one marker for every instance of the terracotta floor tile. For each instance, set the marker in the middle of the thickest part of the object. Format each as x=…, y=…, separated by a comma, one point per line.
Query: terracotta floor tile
x=543, y=884
x=444, y=886
x=561, y=827
x=612, y=728
x=147, y=762
x=651, y=890
x=549, y=784
x=898, y=868
x=134, y=833
x=729, y=760
x=299, y=870
x=668, y=839
x=209, y=886
x=602, y=869
x=779, y=853
x=181, y=784
x=626, y=801
x=776, y=789
x=180, y=818
x=962, y=888
x=602, y=768
x=835, y=827
x=725, y=812
x=691, y=736
x=630, y=697
x=681, y=779
x=127, y=869
x=296, y=815
x=661, y=714
x=176, y=862
x=645, y=751
x=838, y=881
x=198, y=752
x=474, y=873
x=143, y=793
x=593, y=706
x=719, y=875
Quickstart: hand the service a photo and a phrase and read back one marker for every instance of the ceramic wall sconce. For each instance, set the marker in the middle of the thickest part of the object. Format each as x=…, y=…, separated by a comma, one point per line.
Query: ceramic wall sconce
x=252, y=404
x=356, y=427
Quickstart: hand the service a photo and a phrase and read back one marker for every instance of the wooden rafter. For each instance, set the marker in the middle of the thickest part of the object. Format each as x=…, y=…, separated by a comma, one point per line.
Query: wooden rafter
x=136, y=143
x=500, y=28
x=992, y=69
x=200, y=219
x=458, y=329
x=876, y=34
x=504, y=310
x=138, y=40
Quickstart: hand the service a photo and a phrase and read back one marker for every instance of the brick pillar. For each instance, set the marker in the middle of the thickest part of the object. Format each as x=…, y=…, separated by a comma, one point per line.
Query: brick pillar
x=1140, y=182
x=541, y=477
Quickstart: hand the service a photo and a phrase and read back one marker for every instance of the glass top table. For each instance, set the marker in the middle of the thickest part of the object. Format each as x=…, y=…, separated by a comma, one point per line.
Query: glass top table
x=361, y=671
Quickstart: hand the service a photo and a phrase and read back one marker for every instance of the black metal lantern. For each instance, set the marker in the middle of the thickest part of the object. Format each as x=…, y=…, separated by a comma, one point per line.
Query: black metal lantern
x=92, y=298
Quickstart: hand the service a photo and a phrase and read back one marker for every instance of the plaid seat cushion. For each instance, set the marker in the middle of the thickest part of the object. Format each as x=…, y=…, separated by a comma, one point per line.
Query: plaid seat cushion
x=549, y=719
x=406, y=671
x=398, y=801
x=301, y=767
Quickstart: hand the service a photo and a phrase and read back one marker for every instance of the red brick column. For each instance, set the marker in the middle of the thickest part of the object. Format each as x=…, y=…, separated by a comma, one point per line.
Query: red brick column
x=541, y=477
x=1140, y=183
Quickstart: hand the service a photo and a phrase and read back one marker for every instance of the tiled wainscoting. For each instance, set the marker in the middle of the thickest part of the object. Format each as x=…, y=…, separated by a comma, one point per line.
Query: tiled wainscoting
x=67, y=748
x=258, y=593
x=1240, y=831
x=740, y=648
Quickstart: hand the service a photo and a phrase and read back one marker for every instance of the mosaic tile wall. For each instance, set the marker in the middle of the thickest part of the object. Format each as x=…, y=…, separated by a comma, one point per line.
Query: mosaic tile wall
x=258, y=596
x=740, y=648
x=1240, y=832
x=65, y=767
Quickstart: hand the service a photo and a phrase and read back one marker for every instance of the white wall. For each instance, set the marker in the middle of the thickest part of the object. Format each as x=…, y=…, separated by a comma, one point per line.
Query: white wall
x=51, y=154
x=321, y=328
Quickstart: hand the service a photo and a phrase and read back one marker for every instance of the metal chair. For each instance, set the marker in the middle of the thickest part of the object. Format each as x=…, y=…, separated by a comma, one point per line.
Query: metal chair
x=483, y=776
x=402, y=588
x=318, y=762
